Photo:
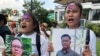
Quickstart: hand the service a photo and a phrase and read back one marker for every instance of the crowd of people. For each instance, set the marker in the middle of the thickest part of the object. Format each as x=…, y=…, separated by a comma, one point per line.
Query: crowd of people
x=30, y=28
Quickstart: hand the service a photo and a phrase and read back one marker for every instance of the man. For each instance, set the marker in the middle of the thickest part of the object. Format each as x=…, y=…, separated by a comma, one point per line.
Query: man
x=66, y=50
x=4, y=30
x=44, y=32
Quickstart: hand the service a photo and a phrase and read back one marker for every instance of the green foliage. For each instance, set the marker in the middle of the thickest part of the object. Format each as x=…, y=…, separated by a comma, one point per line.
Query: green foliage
x=27, y=46
x=6, y=11
x=98, y=47
x=8, y=41
x=35, y=7
x=95, y=27
x=9, y=11
x=62, y=25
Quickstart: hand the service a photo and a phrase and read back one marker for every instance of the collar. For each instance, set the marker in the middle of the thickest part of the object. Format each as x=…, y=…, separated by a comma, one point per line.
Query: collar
x=65, y=51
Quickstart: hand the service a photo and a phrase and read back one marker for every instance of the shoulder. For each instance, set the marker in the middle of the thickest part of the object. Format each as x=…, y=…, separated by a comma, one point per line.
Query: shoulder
x=92, y=35
x=58, y=52
x=73, y=52
x=91, y=32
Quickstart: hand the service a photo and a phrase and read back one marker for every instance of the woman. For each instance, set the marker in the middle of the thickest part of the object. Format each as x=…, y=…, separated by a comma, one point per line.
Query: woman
x=73, y=13
x=30, y=29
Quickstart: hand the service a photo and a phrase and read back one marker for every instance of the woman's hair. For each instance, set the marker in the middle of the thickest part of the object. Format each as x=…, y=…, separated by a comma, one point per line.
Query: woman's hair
x=16, y=39
x=76, y=3
x=35, y=22
x=4, y=18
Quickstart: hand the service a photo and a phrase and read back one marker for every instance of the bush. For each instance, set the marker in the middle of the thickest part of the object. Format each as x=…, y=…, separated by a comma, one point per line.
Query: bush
x=95, y=27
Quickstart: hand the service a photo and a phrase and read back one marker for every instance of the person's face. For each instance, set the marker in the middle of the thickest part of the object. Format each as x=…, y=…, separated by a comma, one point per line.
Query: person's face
x=72, y=15
x=43, y=27
x=11, y=25
x=16, y=48
x=27, y=25
x=66, y=42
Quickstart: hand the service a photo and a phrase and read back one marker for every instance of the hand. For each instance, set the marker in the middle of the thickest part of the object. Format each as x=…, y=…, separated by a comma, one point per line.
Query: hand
x=86, y=51
x=32, y=55
x=50, y=47
x=3, y=52
x=44, y=30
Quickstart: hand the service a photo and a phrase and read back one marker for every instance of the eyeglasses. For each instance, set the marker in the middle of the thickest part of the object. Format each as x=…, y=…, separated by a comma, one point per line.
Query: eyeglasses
x=15, y=46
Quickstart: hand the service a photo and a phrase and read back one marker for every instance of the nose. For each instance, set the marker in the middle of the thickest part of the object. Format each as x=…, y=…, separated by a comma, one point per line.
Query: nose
x=70, y=14
x=16, y=49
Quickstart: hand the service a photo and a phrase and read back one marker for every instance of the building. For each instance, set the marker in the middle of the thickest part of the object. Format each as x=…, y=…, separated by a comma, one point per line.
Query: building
x=91, y=11
x=82, y=1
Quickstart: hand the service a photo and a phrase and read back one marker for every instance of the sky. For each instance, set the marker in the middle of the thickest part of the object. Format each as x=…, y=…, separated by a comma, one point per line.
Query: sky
x=49, y=4
x=14, y=4
x=17, y=4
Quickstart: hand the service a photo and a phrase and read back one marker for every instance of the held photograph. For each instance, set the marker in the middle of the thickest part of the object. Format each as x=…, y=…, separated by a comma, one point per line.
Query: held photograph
x=18, y=46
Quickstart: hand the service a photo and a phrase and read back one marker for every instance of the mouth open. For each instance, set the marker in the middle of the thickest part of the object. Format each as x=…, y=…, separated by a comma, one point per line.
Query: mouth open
x=23, y=26
x=71, y=20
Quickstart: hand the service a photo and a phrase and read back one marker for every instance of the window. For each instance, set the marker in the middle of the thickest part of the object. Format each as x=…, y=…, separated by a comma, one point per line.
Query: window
x=61, y=15
x=85, y=14
x=96, y=14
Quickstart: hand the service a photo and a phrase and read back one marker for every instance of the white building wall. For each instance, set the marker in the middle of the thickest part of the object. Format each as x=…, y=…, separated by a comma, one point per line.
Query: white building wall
x=87, y=5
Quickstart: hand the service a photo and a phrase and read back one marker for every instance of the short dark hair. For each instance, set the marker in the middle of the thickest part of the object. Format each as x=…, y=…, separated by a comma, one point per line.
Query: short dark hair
x=76, y=3
x=15, y=38
x=65, y=35
x=4, y=18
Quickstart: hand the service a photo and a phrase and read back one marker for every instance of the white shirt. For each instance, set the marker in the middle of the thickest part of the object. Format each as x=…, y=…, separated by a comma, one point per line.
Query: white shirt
x=2, y=46
x=44, y=44
x=78, y=39
x=45, y=37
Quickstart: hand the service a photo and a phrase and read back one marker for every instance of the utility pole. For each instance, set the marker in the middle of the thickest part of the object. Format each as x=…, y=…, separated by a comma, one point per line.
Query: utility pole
x=31, y=6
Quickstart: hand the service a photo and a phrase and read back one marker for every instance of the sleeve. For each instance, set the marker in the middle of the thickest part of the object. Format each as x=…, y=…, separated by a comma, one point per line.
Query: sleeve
x=92, y=43
x=44, y=45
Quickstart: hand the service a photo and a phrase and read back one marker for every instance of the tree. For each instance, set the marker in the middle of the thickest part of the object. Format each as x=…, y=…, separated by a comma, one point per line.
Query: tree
x=9, y=11
x=36, y=7
x=33, y=5
x=6, y=11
